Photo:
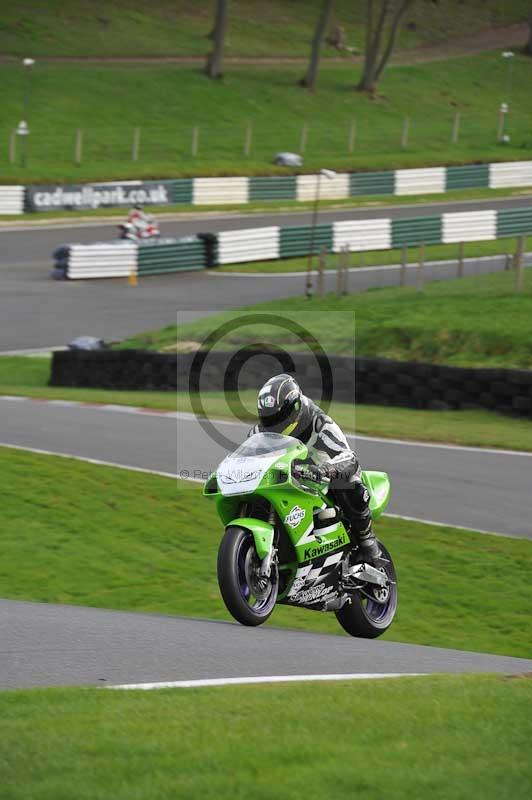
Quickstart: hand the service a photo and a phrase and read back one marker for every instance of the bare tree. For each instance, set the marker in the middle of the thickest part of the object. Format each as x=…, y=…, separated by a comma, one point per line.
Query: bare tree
x=528, y=45
x=213, y=67
x=322, y=26
x=383, y=20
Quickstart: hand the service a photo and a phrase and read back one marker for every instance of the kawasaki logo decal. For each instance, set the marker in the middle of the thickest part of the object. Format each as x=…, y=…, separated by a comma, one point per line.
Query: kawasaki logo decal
x=296, y=516
x=320, y=550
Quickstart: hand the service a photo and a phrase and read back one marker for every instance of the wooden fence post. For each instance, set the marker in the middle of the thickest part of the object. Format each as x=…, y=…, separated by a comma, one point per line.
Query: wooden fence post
x=519, y=263
x=404, y=135
x=404, y=262
x=303, y=140
x=249, y=139
x=195, y=140
x=421, y=268
x=456, y=128
x=460, y=268
x=78, y=154
x=352, y=136
x=136, y=145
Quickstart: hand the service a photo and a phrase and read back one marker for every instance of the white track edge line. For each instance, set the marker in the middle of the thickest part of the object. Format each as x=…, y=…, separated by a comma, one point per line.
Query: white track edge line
x=191, y=684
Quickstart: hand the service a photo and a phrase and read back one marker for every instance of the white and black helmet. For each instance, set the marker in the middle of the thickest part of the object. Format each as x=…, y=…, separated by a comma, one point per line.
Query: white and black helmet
x=279, y=404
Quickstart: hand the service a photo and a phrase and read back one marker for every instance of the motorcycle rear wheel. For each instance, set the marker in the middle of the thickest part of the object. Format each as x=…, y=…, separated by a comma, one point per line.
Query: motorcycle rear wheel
x=366, y=618
x=249, y=598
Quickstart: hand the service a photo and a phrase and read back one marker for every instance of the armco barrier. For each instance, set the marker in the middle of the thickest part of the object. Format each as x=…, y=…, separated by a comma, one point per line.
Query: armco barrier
x=367, y=380
x=170, y=255
x=115, y=260
x=220, y=191
x=272, y=242
x=252, y=244
x=11, y=199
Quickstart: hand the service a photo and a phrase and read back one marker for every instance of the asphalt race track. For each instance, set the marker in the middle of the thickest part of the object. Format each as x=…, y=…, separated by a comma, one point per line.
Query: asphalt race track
x=38, y=312
x=49, y=645
x=486, y=490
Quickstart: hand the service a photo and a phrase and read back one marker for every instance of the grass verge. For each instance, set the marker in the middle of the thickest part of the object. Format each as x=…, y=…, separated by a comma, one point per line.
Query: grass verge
x=447, y=736
x=60, y=516
x=430, y=94
x=472, y=322
x=28, y=377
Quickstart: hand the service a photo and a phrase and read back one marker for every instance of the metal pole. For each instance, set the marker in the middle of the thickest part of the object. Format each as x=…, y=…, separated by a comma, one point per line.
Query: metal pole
x=456, y=128
x=13, y=147
x=345, y=284
x=404, y=262
x=79, y=146
x=421, y=268
x=136, y=145
x=321, y=268
x=404, y=136
x=308, y=285
x=460, y=270
x=249, y=139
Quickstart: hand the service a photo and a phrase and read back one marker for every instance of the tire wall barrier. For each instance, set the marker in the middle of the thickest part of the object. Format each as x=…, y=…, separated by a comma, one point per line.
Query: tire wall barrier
x=363, y=380
x=223, y=191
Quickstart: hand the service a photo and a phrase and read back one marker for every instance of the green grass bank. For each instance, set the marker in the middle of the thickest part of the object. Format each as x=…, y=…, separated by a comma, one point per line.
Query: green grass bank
x=452, y=737
x=171, y=100
x=473, y=322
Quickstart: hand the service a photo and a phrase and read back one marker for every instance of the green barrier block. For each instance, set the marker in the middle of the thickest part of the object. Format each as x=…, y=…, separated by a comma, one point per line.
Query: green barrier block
x=514, y=222
x=371, y=183
x=468, y=177
x=155, y=258
x=181, y=191
x=410, y=232
x=282, y=187
x=296, y=240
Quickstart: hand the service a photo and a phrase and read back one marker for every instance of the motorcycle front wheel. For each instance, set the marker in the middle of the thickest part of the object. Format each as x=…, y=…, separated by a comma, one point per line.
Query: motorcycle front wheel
x=370, y=613
x=249, y=597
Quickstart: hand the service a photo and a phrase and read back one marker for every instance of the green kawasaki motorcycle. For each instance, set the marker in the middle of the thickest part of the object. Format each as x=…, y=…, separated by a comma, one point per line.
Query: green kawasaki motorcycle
x=285, y=541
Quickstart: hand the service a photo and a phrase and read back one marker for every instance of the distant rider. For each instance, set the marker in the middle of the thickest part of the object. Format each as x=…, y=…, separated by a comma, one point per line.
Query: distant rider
x=283, y=408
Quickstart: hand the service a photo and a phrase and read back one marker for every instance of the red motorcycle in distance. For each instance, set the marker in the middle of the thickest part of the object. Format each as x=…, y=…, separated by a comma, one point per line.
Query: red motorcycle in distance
x=139, y=226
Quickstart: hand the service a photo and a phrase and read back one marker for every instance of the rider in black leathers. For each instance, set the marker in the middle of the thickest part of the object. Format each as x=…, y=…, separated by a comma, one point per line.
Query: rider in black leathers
x=283, y=408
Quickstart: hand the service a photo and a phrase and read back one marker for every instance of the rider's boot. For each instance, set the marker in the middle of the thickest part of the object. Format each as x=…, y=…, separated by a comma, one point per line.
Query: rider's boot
x=368, y=545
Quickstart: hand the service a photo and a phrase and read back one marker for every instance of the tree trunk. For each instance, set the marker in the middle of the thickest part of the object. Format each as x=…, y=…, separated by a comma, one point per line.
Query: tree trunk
x=214, y=64
x=528, y=45
x=375, y=60
x=327, y=10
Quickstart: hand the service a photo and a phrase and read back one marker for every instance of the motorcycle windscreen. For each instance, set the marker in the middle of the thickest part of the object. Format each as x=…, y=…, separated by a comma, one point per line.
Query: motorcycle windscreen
x=242, y=472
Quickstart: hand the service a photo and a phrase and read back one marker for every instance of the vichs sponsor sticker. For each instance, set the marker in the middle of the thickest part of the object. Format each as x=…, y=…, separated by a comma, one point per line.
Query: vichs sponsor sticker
x=295, y=516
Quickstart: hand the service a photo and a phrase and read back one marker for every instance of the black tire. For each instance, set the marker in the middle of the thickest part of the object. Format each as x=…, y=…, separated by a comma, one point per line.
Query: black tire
x=366, y=619
x=237, y=554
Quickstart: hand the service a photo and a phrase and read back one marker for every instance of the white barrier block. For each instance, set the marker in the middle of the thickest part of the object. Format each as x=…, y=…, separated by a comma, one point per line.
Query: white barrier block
x=362, y=234
x=118, y=260
x=513, y=173
x=11, y=199
x=330, y=188
x=420, y=181
x=253, y=244
x=469, y=226
x=212, y=191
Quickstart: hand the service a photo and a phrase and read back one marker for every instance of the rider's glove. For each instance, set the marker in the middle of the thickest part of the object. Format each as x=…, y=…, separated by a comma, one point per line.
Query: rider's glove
x=310, y=472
